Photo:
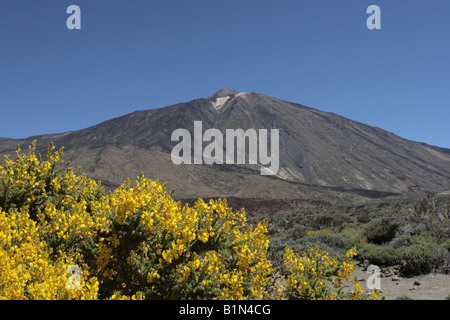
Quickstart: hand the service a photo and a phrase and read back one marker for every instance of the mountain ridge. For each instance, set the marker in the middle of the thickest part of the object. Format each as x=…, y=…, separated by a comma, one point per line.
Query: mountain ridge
x=318, y=149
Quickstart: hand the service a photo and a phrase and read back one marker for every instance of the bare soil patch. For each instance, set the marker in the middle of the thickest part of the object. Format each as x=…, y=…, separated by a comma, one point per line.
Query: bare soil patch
x=432, y=286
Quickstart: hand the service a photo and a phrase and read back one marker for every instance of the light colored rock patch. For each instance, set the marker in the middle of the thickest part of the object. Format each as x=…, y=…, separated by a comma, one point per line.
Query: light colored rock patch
x=220, y=102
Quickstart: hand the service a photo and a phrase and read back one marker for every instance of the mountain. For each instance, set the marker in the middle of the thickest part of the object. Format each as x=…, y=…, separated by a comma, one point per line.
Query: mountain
x=322, y=156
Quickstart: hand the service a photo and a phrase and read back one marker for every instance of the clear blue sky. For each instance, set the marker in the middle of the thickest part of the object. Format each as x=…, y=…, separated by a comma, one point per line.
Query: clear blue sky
x=133, y=55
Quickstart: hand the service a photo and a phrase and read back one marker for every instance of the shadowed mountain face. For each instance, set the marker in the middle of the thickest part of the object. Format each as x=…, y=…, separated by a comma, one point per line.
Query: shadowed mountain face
x=322, y=156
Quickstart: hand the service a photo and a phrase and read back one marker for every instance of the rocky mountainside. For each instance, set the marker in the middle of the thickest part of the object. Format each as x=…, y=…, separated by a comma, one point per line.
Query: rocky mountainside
x=322, y=156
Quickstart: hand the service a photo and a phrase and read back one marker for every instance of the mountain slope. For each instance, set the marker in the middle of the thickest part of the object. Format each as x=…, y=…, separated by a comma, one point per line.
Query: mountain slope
x=322, y=155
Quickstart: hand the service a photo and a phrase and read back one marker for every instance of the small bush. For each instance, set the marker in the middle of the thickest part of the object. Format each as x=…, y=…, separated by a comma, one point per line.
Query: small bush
x=363, y=218
x=442, y=261
x=298, y=232
x=431, y=214
x=380, y=255
x=420, y=258
x=402, y=241
x=314, y=275
x=358, y=241
x=380, y=231
x=446, y=245
x=334, y=221
x=334, y=241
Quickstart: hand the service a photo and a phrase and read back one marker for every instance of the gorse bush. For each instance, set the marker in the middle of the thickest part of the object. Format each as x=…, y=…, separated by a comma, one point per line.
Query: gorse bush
x=314, y=275
x=45, y=227
x=156, y=247
x=136, y=242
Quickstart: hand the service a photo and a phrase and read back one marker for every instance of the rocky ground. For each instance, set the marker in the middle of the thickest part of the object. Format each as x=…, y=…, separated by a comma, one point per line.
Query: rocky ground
x=433, y=286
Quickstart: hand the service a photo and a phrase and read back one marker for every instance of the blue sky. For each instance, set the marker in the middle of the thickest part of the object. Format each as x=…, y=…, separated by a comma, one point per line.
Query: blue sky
x=134, y=55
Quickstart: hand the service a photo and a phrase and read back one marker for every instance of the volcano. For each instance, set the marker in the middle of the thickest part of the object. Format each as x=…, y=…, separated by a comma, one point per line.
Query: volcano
x=322, y=156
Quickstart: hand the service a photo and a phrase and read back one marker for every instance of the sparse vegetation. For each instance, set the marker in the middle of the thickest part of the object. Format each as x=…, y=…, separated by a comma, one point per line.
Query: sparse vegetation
x=413, y=233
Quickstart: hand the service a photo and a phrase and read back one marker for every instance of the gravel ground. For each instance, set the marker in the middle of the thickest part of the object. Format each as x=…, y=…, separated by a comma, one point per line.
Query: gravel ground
x=433, y=286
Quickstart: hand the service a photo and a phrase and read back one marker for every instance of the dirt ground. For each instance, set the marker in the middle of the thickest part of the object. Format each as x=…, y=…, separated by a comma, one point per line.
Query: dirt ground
x=433, y=286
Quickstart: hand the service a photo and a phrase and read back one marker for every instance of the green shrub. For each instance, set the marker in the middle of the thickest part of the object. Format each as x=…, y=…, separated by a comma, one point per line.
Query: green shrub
x=446, y=245
x=335, y=241
x=334, y=221
x=358, y=241
x=420, y=258
x=433, y=213
x=363, y=217
x=380, y=230
x=298, y=232
x=380, y=255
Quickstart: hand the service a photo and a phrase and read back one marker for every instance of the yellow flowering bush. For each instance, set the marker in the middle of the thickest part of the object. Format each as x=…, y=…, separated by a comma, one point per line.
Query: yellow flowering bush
x=136, y=242
x=314, y=275
x=27, y=268
x=156, y=248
